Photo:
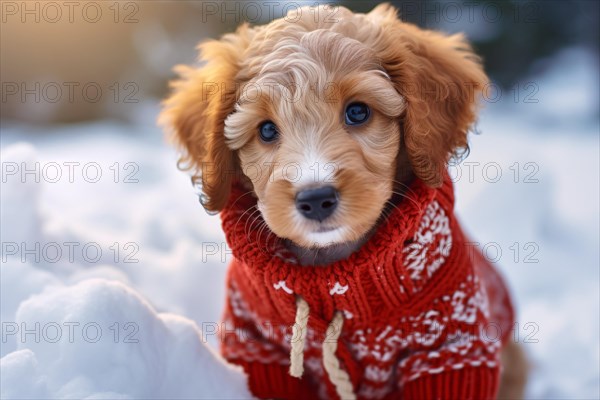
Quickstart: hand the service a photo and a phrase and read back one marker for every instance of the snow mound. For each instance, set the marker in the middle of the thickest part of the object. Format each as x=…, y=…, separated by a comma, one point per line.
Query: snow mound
x=100, y=339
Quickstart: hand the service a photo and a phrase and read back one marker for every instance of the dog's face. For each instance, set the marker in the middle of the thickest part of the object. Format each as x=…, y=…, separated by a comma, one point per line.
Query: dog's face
x=315, y=115
x=316, y=130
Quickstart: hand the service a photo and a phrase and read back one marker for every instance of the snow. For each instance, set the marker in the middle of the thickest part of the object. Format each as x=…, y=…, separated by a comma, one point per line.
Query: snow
x=100, y=338
x=136, y=319
x=54, y=307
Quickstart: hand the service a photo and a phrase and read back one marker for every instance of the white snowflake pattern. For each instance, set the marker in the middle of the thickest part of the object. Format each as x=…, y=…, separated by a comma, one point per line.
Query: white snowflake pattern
x=421, y=258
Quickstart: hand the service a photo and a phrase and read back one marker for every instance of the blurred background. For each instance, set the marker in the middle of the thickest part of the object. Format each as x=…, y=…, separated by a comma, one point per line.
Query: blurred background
x=84, y=162
x=111, y=44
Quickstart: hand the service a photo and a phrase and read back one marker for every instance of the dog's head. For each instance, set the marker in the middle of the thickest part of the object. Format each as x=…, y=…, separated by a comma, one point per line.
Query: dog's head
x=316, y=112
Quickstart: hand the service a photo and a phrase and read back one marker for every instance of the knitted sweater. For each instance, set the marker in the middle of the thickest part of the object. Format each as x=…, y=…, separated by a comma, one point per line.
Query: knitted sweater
x=425, y=315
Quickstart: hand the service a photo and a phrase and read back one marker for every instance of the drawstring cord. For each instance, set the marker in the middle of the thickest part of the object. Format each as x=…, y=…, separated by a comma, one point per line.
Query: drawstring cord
x=337, y=375
x=298, y=338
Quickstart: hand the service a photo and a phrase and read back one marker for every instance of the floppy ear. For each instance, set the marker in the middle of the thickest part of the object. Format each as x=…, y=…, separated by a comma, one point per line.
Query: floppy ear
x=195, y=114
x=441, y=79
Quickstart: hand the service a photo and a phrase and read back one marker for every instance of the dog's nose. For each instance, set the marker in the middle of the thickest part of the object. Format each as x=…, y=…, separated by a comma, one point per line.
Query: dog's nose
x=317, y=204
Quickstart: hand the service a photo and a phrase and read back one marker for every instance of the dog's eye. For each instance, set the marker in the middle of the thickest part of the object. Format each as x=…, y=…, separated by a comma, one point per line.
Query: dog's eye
x=268, y=131
x=357, y=113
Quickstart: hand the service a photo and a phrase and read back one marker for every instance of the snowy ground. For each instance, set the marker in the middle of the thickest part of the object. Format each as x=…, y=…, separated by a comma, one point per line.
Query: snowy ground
x=137, y=320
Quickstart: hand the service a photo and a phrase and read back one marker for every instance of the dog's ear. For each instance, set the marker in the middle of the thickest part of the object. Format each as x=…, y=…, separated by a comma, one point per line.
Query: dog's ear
x=441, y=80
x=195, y=114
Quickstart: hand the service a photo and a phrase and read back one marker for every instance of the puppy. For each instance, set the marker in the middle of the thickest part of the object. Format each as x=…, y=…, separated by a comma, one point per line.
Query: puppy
x=323, y=140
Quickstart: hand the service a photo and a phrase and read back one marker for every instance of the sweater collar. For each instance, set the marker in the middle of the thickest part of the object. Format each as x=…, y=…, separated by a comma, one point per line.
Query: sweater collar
x=253, y=243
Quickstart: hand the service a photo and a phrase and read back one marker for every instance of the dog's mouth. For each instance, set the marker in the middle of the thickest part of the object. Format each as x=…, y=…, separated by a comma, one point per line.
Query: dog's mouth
x=324, y=237
x=323, y=229
x=325, y=245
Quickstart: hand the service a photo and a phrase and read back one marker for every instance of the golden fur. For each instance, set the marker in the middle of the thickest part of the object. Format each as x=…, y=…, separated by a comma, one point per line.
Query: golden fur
x=422, y=87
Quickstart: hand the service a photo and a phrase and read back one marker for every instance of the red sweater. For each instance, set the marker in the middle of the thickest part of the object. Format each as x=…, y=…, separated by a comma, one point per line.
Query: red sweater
x=425, y=313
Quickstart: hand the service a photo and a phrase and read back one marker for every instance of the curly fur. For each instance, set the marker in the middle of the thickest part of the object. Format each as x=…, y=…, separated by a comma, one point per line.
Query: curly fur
x=423, y=87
